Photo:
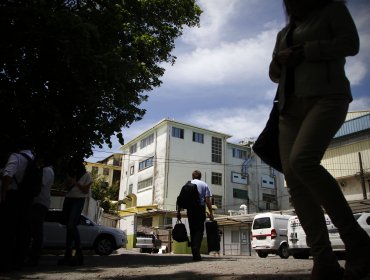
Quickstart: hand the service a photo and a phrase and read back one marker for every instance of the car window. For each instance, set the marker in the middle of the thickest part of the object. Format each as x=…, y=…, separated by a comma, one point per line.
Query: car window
x=368, y=220
x=262, y=223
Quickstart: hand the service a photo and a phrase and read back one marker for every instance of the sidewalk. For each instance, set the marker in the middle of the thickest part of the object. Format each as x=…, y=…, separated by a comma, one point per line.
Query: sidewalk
x=130, y=265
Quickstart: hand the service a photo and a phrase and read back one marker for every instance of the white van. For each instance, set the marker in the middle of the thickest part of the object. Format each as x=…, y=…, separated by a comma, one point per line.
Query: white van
x=269, y=234
x=297, y=238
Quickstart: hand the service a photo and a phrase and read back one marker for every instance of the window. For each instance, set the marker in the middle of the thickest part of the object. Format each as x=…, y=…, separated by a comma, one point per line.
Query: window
x=234, y=236
x=263, y=222
x=147, y=141
x=216, y=178
x=144, y=184
x=267, y=182
x=106, y=171
x=237, y=153
x=269, y=199
x=217, y=200
x=146, y=163
x=94, y=170
x=177, y=132
x=239, y=178
x=216, y=149
x=198, y=137
x=147, y=222
x=241, y=194
x=132, y=170
x=133, y=148
x=130, y=187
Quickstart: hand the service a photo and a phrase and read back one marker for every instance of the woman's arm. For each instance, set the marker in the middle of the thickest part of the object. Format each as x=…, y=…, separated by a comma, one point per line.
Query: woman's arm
x=344, y=40
x=275, y=66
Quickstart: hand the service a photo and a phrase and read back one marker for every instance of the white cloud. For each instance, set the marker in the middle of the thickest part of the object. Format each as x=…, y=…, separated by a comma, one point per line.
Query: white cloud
x=215, y=16
x=240, y=123
x=234, y=62
x=356, y=71
x=360, y=104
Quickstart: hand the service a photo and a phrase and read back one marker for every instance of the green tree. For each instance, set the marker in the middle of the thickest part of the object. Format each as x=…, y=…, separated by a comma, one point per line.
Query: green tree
x=73, y=73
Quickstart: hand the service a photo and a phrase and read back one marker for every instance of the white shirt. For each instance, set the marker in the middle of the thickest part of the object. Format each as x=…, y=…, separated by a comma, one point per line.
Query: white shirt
x=203, y=190
x=16, y=166
x=47, y=182
x=75, y=191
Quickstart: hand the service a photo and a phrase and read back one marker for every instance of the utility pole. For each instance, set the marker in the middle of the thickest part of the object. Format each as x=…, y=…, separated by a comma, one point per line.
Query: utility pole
x=362, y=177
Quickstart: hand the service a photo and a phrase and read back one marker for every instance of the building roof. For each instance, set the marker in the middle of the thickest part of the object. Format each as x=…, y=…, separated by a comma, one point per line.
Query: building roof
x=356, y=114
x=169, y=121
x=357, y=206
x=355, y=125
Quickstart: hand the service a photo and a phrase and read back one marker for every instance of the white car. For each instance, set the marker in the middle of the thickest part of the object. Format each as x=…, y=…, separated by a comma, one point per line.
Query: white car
x=269, y=234
x=297, y=237
x=104, y=240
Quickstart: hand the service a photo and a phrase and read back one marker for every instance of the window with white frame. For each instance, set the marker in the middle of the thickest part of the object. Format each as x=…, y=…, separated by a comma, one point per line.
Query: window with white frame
x=144, y=184
x=238, y=153
x=132, y=170
x=216, y=149
x=133, y=148
x=198, y=137
x=130, y=187
x=146, y=163
x=177, y=132
x=216, y=178
x=147, y=141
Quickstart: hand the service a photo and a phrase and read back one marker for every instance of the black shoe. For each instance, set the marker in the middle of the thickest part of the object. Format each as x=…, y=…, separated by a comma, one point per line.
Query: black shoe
x=357, y=260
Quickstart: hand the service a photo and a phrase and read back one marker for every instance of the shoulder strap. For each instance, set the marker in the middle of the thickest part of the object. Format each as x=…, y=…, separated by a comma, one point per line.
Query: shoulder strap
x=28, y=158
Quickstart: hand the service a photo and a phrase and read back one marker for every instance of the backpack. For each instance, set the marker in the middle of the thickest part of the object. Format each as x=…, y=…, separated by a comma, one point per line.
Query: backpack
x=31, y=184
x=179, y=232
x=188, y=197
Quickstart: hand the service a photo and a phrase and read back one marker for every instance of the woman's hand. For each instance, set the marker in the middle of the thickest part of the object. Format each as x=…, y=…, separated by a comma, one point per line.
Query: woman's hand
x=290, y=57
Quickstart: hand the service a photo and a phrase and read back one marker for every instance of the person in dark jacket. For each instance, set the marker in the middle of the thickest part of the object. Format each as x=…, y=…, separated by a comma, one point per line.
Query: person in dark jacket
x=197, y=215
x=314, y=95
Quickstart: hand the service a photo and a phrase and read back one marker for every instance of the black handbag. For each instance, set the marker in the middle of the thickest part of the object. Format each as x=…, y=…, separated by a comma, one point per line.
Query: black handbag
x=179, y=232
x=267, y=143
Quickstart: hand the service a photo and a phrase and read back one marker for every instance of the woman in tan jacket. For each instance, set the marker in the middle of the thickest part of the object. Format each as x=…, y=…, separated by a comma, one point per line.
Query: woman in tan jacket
x=313, y=96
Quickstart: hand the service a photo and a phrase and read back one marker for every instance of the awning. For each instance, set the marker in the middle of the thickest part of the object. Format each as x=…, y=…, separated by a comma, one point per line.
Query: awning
x=357, y=206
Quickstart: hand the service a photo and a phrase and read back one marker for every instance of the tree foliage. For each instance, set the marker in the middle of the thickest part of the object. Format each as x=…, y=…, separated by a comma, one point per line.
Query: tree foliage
x=73, y=73
x=105, y=194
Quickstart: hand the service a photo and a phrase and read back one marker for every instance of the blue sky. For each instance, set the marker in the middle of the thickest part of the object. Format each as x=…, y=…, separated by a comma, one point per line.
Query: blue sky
x=220, y=78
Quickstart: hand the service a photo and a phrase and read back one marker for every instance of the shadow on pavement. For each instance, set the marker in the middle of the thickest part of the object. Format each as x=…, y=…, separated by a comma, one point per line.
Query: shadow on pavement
x=97, y=265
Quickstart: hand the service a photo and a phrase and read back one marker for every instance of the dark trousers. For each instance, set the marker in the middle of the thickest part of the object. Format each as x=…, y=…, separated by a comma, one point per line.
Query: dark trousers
x=14, y=233
x=38, y=214
x=72, y=209
x=306, y=128
x=196, y=219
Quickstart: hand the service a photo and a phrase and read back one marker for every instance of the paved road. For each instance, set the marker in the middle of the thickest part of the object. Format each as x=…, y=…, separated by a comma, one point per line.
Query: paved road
x=135, y=266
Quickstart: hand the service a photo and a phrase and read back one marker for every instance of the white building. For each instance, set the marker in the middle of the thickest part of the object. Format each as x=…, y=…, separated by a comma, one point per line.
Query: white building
x=158, y=162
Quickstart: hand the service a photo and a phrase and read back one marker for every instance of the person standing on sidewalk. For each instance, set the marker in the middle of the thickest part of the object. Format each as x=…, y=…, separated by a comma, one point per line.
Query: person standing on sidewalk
x=313, y=99
x=39, y=209
x=197, y=215
x=78, y=184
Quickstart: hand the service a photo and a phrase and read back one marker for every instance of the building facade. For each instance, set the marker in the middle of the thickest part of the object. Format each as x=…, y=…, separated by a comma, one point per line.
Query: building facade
x=348, y=156
x=109, y=169
x=158, y=162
